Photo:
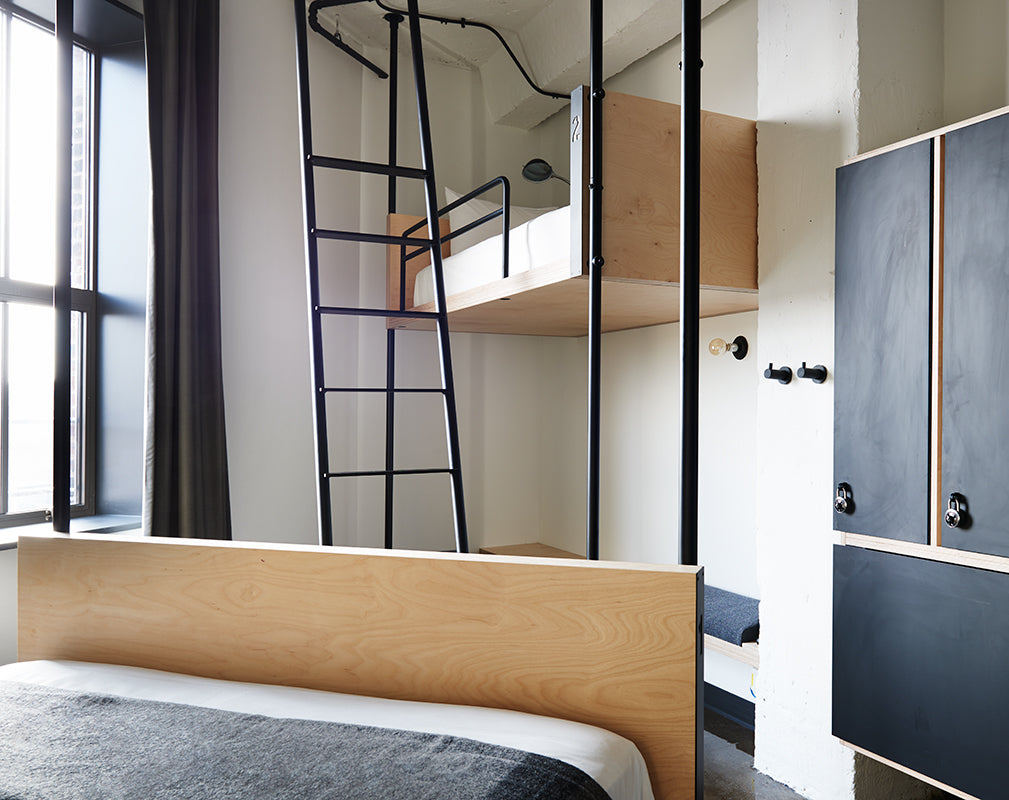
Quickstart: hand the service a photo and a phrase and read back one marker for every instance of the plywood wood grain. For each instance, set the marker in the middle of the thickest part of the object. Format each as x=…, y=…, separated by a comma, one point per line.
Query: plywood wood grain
x=641, y=195
x=545, y=302
x=947, y=555
x=911, y=772
x=748, y=653
x=608, y=644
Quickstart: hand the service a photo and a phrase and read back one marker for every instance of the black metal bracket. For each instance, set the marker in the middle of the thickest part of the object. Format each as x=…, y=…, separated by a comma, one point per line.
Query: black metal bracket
x=336, y=39
x=782, y=375
x=817, y=374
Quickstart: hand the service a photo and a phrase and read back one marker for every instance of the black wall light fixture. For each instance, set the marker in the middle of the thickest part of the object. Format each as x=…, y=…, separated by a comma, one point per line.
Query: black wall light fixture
x=738, y=347
x=537, y=170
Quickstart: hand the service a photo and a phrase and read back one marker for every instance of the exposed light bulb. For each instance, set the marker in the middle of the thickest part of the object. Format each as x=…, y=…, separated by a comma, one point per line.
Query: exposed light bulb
x=738, y=347
x=718, y=346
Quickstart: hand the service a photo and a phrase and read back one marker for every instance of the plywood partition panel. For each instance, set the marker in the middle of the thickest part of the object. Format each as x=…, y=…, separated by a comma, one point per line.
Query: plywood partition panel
x=641, y=197
x=613, y=645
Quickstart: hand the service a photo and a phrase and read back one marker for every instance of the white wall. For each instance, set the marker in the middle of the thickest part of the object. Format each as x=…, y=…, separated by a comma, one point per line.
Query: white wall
x=900, y=73
x=264, y=298
x=975, y=57
x=729, y=75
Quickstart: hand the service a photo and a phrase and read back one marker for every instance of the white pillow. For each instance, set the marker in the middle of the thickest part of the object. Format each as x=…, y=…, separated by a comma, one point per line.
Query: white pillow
x=472, y=210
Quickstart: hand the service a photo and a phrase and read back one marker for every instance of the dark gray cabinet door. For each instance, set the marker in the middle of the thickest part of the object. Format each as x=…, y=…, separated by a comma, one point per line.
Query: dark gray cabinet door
x=881, y=343
x=975, y=385
x=919, y=659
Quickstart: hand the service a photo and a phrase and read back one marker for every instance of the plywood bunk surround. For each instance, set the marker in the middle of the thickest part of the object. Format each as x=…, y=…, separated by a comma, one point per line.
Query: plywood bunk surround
x=641, y=221
x=612, y=645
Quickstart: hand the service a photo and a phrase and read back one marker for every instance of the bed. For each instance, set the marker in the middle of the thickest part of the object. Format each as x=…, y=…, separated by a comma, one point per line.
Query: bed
x=546, y=292
x=585, y=643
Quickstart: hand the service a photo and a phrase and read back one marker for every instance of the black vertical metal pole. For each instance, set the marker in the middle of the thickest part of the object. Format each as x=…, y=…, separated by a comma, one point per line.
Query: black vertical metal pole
x=690, y=292
x=312, y=252
x=61, y=284
x=595, y=270
x=390, y=335
x=394, y=21
x=690, y=256
x=444, y=343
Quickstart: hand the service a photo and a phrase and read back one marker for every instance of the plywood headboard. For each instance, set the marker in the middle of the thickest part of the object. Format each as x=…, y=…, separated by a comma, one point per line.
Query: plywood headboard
x=614, y=645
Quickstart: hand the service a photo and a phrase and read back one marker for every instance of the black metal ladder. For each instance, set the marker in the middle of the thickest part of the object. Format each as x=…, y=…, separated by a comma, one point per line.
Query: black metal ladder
x=312, y=162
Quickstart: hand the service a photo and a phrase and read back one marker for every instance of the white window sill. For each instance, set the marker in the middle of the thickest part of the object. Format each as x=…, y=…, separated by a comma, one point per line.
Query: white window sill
x=101, y=523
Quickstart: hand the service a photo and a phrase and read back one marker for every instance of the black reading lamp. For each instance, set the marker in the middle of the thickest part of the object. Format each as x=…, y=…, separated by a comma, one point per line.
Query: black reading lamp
x=539, y=170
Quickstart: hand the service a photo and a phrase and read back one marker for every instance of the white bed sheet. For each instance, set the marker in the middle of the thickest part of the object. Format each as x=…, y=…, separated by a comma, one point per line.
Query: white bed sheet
x=613, y=761
x=540, y=242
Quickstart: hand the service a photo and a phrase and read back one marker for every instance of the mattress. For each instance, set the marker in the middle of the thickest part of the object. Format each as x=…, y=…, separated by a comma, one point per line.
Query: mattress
x=543, y=241
x=611, y=760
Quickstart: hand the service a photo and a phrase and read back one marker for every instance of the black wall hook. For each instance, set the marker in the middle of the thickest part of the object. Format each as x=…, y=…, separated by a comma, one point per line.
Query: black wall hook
x=782, y=375
x=817, y=374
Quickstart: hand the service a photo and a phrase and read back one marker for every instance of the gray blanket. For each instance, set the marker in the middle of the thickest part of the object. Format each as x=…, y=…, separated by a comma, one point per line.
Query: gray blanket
x=61, y=745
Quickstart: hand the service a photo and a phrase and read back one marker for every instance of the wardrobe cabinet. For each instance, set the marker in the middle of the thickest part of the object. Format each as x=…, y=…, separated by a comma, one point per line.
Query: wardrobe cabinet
x=919, y=660
x=921, y=456
x=975, y=344
x=881, y=334
x=925, y=221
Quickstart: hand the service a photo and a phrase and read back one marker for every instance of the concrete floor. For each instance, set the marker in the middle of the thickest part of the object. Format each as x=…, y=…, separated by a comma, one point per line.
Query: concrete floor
x=728, y=765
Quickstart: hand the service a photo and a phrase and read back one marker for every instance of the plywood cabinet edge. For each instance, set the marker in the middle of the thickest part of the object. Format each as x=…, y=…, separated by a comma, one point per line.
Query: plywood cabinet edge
x=907, y=771
x=946, y=555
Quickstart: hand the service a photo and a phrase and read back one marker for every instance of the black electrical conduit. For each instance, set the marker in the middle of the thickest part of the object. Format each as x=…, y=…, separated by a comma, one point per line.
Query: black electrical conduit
x=313, y=21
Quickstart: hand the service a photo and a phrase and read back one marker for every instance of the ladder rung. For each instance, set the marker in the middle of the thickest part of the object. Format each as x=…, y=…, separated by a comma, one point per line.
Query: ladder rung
x=371, y=167
x=376, y=390
x=375, y=473
x=375, y=312
x=370, y=238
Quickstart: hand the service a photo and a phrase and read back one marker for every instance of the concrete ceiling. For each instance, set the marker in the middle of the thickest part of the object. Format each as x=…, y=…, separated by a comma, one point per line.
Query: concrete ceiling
x=550, y=37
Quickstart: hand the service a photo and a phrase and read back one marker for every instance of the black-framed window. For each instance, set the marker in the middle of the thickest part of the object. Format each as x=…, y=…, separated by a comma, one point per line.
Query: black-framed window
x=27, y=263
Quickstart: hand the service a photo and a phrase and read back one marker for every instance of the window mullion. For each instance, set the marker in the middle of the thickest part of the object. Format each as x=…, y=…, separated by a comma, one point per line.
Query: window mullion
x=4, y=409
x=5, y=78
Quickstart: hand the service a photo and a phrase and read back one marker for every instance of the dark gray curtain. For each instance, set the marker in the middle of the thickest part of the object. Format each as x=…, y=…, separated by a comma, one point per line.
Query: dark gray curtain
x=186, y=468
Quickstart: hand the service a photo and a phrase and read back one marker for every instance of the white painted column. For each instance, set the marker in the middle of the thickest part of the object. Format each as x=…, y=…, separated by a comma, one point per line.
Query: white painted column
x=835, y=78
x=807, y=97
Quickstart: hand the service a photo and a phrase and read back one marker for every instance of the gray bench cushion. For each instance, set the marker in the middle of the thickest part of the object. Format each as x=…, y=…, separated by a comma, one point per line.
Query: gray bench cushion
x=730, y=616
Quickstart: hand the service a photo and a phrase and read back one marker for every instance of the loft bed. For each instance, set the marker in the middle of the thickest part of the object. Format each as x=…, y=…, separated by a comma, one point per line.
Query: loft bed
x=642, y=232
x=547, y=292
x=602, y=644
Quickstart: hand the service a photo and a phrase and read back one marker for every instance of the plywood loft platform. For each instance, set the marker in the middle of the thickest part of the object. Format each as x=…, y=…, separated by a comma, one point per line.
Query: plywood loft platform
x=641, y=225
